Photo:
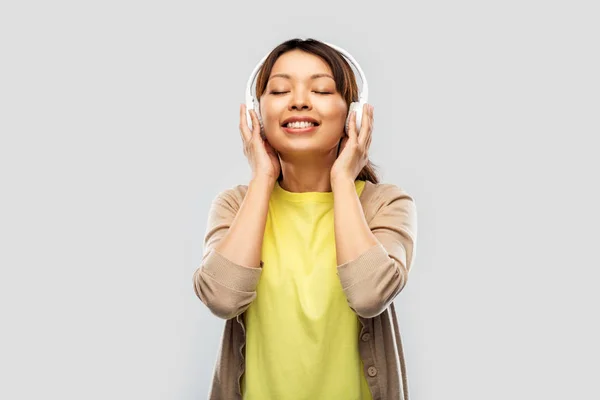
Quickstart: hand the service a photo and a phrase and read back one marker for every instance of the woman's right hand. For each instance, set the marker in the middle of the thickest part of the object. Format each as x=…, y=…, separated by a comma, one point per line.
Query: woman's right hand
x=263, y=159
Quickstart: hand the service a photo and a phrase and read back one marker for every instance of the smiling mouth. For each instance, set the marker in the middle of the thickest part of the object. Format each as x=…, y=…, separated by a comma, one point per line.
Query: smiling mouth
x=300, y=125
x=302, y=129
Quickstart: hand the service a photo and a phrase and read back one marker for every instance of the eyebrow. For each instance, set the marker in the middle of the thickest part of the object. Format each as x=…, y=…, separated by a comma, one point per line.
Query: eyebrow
x=314, y=76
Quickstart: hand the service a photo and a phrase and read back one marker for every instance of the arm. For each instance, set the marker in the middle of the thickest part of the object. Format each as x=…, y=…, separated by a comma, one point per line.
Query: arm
x=231, y=266
x=374, y=257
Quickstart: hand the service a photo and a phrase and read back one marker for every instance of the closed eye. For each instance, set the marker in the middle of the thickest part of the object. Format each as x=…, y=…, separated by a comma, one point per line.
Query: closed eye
x=288, y=92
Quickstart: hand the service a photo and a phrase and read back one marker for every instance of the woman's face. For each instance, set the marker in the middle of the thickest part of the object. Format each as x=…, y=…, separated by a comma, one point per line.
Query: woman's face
x=301, y=85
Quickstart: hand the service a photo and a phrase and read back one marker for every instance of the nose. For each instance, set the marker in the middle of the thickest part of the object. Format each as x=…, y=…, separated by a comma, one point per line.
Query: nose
x=300, y=101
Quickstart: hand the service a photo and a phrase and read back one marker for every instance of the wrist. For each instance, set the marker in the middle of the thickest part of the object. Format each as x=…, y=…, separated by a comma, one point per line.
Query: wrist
x=338, y=182
x=262, y=181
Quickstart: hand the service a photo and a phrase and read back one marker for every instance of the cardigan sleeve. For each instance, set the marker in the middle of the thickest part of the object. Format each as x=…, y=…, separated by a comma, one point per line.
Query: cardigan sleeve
x=225, y=287
x=372, y=280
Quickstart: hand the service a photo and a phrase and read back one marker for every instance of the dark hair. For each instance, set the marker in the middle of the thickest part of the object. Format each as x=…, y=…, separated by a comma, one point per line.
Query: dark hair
x=345, y=81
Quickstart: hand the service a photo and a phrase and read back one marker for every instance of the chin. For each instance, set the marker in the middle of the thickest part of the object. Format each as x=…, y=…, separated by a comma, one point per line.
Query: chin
x=306, y=147
x=314, y=141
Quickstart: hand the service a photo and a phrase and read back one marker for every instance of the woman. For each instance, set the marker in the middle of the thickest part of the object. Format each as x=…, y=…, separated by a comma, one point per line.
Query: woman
x=304, y=262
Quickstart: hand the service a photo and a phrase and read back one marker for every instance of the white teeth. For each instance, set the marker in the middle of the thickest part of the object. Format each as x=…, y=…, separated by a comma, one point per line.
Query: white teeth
x=302, y=124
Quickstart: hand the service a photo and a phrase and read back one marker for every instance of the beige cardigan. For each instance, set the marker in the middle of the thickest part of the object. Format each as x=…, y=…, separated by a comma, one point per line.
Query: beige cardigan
x=370, y=282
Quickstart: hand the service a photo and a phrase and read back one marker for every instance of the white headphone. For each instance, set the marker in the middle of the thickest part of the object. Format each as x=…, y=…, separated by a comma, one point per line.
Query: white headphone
x=252, y=101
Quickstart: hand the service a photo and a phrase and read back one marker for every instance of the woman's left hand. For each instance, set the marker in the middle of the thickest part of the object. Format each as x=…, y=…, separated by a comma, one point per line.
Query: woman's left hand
x=354, y=149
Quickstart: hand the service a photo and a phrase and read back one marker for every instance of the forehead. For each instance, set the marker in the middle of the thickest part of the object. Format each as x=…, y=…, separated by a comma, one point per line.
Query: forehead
x=299, y=65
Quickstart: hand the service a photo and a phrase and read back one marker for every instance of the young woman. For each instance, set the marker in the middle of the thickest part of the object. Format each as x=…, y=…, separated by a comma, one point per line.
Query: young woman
x=304, y=261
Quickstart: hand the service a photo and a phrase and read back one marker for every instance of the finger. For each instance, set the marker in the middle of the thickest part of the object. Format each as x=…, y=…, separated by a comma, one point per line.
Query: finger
x=365, y=125
x=255, y=123
x=372, y=124
x=244, y=129
x=372, y=118
x=352, y=126
x=369, y=133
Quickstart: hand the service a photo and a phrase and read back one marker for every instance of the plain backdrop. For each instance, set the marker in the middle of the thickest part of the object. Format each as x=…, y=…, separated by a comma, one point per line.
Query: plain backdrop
x=119, y=125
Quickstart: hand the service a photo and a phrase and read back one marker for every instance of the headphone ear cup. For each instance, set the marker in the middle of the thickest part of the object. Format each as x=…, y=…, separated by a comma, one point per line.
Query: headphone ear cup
x=358, y=107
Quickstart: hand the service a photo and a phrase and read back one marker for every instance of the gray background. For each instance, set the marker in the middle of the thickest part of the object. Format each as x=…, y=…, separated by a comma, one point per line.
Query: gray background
x=119, y=124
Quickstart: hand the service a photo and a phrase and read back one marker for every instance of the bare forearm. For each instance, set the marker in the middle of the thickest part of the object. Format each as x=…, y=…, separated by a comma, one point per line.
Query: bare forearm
x=352, y=233
x=243, y=242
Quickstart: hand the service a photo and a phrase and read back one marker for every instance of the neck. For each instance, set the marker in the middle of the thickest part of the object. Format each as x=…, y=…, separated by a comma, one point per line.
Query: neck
x=306, y=175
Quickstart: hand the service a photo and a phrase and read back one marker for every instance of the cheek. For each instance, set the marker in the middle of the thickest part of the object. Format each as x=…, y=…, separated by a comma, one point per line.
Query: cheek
x=337, y=113
x=270, y=111
x=338, y=109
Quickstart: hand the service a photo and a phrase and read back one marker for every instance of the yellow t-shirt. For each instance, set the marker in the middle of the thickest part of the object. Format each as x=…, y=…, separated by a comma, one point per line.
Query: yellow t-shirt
x=301, y=335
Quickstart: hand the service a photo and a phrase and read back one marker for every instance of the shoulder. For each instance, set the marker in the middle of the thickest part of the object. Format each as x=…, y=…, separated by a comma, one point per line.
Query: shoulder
x=232, y=196
x=392, y=207
x=379, y=194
